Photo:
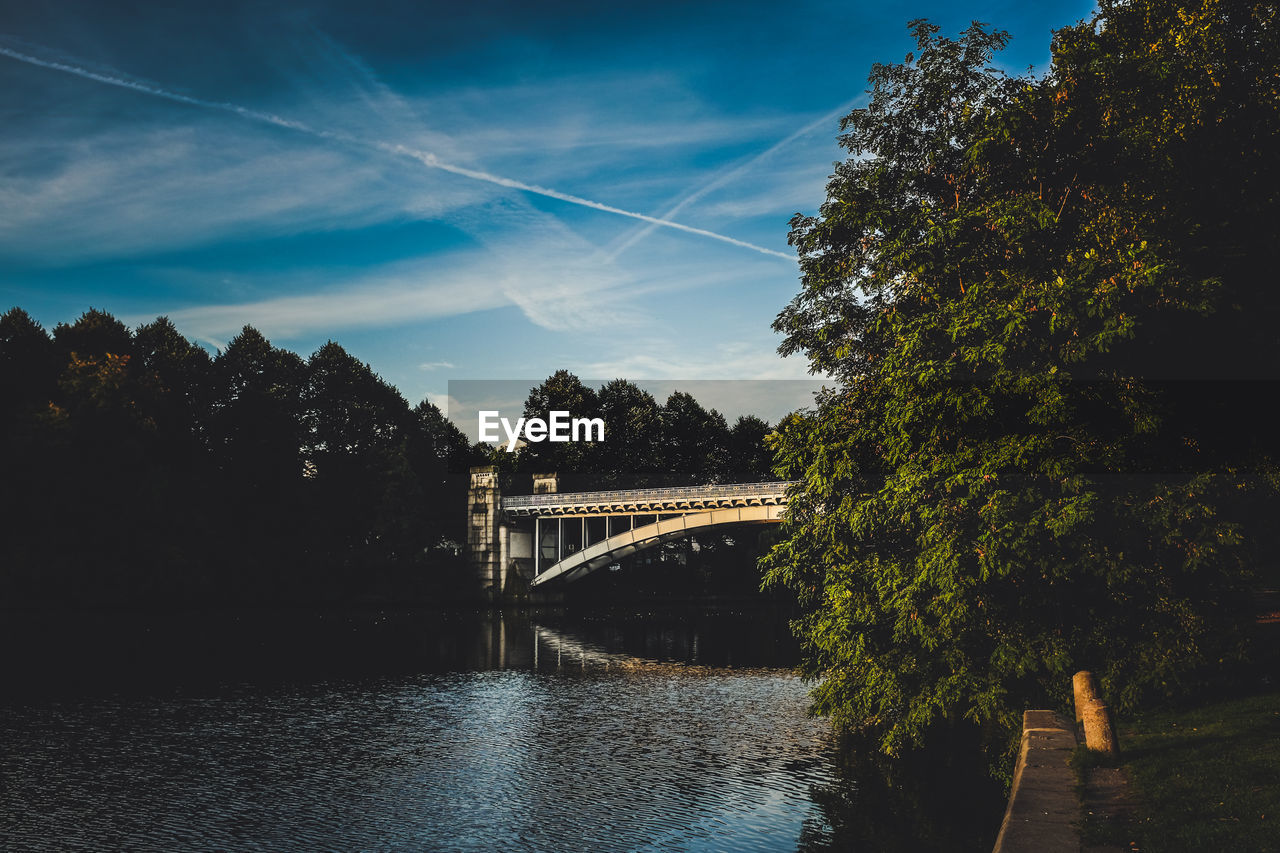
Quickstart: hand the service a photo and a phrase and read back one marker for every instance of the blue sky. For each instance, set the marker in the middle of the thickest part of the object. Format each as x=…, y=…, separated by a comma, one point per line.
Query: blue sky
x=450, y=191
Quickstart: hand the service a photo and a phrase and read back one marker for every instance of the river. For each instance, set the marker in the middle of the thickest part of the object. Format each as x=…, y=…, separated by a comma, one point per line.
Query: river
x=422, y=731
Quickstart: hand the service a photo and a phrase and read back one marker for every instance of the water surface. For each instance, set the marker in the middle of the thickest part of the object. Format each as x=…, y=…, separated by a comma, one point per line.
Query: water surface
x=418, y=731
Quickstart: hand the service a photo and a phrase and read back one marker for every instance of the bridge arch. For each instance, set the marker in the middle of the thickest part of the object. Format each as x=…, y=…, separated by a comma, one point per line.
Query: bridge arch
x=608, y=550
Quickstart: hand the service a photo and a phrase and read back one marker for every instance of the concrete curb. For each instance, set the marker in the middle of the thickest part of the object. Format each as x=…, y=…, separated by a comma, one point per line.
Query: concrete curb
x=1044, y=813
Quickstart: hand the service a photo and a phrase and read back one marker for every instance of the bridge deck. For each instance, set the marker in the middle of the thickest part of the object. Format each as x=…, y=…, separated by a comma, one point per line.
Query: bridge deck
x=645, y=501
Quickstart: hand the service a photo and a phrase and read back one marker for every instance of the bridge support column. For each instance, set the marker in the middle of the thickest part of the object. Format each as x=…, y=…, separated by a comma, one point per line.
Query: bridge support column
x=483, y=549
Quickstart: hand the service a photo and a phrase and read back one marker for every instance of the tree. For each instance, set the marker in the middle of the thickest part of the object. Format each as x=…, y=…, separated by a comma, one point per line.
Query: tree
x=351, y=412
x=257, y=418
x=1000, y=492
x=749, y=458
x=695, y=441
x=364, y=492
x=28, y=363
x=28, y=376
x=109, y=466
x=562, y=391
x=181, y=374
x=441, y=458
x=94, y=335
x=257, y=436
x=632, y=445
x=140, y=471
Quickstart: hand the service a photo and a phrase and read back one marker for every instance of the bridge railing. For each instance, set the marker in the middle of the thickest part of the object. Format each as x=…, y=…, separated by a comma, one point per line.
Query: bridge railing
x=727, y=490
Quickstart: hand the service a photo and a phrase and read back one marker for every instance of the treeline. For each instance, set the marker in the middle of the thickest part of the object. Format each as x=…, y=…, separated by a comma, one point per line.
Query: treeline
x=138, y=469
x=647, y=443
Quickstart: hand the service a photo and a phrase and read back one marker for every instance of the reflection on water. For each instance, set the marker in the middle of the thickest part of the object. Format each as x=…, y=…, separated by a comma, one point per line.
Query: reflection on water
x=412, y=731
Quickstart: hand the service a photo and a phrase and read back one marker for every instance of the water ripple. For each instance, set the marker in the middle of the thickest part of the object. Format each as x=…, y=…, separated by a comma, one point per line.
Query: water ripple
x=587, y=750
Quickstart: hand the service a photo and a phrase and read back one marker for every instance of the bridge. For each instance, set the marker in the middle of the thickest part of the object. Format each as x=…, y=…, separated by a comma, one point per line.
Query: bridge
x=551, y=536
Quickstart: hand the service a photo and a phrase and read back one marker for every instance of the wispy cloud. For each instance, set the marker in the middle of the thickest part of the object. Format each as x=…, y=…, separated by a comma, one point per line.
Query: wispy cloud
x=373, y=302
x=436, y=365
x=532, y=275
x=666, y=359
x=128, y=191
x=80, y=70
x=426, y=158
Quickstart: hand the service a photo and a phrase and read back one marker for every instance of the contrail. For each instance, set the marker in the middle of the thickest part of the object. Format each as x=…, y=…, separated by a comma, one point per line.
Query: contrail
x=122, y=83
x=426, y=158
x=729, y=175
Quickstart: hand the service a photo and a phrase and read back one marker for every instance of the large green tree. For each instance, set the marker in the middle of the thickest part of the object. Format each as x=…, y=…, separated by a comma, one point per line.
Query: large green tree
x=1007, y=273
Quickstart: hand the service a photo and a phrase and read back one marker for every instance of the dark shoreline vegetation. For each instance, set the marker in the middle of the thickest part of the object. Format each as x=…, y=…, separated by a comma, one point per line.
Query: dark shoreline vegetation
x=92, y=651
x=141, y=471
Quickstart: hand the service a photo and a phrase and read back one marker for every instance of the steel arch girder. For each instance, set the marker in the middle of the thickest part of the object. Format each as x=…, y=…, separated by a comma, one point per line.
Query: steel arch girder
x=628, y=542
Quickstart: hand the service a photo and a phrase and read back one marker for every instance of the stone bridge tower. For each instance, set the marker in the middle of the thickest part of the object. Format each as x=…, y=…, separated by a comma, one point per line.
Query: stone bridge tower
x=484, y=538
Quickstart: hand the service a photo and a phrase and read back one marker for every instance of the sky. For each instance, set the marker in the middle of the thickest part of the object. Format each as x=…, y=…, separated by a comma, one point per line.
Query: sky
x=452, y=191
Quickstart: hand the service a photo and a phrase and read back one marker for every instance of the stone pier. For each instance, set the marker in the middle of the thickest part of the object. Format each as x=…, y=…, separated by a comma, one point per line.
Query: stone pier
x=485, y=530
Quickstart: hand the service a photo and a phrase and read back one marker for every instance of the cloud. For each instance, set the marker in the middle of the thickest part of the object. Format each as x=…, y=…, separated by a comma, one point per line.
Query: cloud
x=371, y=303
x=93, y=192
x=665, y=359
x=789, y=188
x=547, y=274
x=83, y=186
x=550, y=273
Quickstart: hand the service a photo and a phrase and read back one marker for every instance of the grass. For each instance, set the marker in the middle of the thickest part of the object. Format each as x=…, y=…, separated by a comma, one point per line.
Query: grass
x=1205, y=778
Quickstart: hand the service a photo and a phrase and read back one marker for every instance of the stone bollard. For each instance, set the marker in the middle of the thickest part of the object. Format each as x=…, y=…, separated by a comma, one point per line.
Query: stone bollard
x=1086, y=691
x=1099, y=729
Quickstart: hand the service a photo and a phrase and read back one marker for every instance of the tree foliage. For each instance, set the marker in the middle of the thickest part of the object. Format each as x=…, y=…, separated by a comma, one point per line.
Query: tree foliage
x=138, y=469
x=1013, y=280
